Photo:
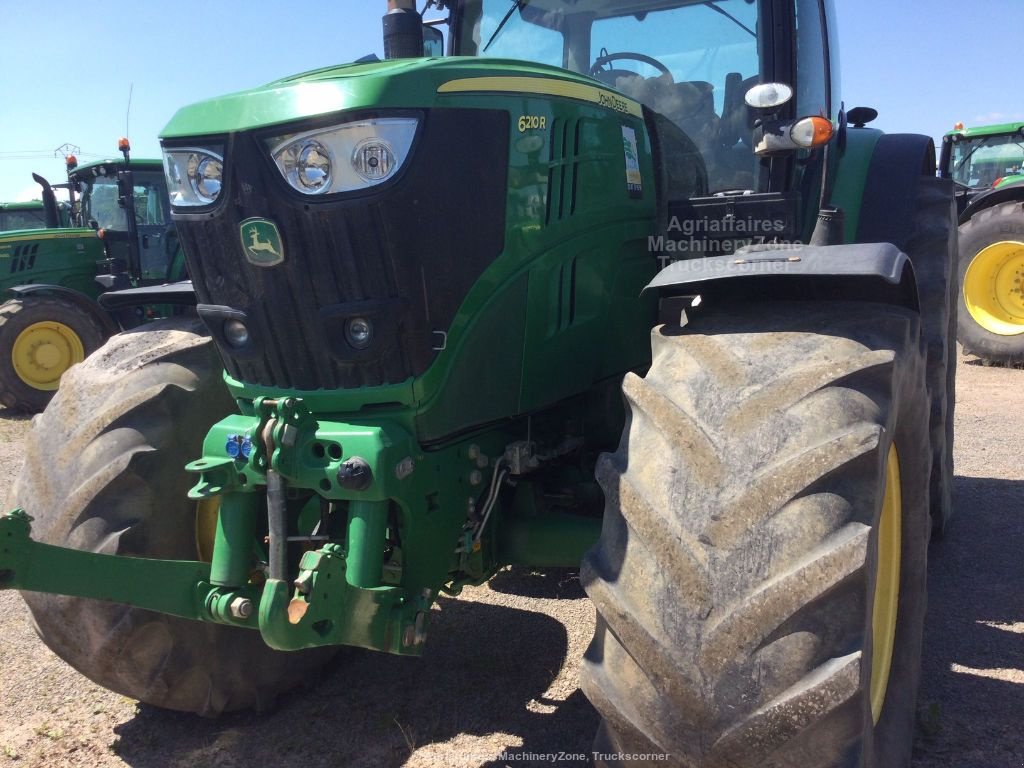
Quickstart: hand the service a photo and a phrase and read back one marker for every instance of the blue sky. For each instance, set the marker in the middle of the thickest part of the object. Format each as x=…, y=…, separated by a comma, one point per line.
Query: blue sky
x=65, y=78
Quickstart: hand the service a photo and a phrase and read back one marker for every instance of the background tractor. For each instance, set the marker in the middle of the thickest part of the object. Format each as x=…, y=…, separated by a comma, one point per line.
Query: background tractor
x=30, y=215
x=116, y=233
x=425, y=285
x=987, y=166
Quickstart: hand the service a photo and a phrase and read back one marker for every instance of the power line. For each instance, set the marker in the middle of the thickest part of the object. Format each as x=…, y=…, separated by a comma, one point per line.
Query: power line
x=67, y=149
x=36, y=154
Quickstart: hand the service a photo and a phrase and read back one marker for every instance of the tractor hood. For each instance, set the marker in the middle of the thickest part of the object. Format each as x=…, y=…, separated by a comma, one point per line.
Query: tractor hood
x=407, y=83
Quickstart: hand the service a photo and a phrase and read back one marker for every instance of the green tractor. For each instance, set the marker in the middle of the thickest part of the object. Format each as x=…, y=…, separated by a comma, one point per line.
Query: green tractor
x=600, y=288
x=987, y=166
x=30, y=215
x=108, y=238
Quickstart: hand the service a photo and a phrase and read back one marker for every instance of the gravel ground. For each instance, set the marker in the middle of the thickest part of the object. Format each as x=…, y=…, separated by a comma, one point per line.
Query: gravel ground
x=500, y=671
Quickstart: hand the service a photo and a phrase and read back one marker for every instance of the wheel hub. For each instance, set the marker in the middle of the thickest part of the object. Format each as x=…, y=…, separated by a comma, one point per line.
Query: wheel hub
x=887, y=584
x=43, y=351
x=994, y=288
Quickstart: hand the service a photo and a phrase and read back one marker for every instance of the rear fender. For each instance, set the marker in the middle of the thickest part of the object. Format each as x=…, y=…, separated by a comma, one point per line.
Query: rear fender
x=180, y=294
x=1007, y=193
x=877, y=272
x=70, y=295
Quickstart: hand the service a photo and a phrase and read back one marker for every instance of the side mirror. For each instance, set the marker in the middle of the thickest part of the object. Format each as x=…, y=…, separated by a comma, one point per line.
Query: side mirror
x=125, y=188
x=433, y=42
x=861, y=116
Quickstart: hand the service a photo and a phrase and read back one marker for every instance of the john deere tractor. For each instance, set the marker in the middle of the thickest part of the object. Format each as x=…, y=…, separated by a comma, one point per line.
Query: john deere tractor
x=116, y=234
x=616, y=285
x=29, y=215
x=987, y=166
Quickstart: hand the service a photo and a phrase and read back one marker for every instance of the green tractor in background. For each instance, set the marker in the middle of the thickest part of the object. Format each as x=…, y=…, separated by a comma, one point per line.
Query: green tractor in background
x=987, y=166
x=425, y=285
x=116, y=233
x=30, y=215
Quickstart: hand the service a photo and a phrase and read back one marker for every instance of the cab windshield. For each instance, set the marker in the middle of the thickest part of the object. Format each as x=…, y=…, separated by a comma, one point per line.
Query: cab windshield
x=25, y=218
x=100, y=200
x=691, y=62
x=978, y=163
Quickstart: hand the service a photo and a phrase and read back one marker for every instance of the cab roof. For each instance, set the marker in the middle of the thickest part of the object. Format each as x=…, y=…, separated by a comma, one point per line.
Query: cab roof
x=145, y=164
x=987, y=130
x=31, y=205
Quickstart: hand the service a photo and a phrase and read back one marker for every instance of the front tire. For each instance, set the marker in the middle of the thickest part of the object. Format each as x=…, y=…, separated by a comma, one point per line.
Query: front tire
x=992, y=284
x=41, y=337
x=104, y=472
x=745, y=539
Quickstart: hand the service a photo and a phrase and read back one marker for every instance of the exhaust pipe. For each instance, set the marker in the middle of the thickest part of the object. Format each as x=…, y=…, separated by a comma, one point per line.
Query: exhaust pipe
x=403, y=30
x=49, y=202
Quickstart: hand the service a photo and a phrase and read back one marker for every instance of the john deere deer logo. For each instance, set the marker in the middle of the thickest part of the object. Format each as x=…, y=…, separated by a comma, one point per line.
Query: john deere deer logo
x=261, y=242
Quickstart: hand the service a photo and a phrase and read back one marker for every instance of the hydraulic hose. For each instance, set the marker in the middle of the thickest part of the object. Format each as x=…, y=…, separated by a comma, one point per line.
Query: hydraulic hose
x=277, y=520
x=277, y=525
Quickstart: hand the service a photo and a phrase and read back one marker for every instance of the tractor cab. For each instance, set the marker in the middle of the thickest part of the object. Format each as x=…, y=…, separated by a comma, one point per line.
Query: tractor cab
x=18, y=216
x=727, y=85
x=655, y=53
x=127, y=203
x=982, y=159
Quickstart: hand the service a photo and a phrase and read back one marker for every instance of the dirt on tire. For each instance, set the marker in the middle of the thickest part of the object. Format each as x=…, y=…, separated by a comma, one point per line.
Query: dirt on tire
x=127, y=420
x=498, y=684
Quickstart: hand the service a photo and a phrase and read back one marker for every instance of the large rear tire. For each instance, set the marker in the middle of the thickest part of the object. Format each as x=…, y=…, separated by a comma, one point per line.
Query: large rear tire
x=932, y=248
x=992, y=278
x=749, y=612
x=104, y=472
x=905, y=204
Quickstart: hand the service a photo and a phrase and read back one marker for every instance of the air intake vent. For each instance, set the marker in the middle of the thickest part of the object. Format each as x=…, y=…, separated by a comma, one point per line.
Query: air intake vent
x=561, y=171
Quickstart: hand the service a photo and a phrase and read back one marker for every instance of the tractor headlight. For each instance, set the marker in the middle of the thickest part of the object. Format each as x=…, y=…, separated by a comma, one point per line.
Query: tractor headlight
x=344, y=158
x=194, y=176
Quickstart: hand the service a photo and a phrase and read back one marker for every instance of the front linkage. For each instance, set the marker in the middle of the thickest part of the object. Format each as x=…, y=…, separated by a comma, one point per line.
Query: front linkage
x=335, y=505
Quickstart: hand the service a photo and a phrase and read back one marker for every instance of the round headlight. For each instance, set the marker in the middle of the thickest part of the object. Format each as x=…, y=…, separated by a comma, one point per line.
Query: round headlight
x=374, y=159
x=359, y=332
x=313, y=167
x=205, y=174
x=236, y=333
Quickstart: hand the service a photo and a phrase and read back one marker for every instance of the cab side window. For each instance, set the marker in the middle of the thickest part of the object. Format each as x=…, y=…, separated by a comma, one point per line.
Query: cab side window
x=812, y=88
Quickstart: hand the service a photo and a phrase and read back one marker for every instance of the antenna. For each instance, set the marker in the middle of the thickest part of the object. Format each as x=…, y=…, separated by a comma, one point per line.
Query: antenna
x=128, y=114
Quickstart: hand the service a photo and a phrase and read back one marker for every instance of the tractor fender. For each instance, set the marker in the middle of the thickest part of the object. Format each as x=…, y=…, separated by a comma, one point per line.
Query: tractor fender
x=878, y=272
x=181, y=293
x=888, y=205
x=1007, y=193
x=70, y=295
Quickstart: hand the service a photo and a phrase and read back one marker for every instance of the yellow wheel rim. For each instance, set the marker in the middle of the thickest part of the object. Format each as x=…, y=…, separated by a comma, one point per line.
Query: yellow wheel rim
x=994, y=288
x=887, y=584
x=43, y=351
x=207, y=511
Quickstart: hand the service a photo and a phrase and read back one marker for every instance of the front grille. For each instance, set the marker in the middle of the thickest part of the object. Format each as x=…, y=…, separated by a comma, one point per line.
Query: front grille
x=406, y=256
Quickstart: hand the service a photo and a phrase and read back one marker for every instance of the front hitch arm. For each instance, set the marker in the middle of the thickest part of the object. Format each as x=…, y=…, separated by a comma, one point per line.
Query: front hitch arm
x=179, y=588
x=322, y=608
